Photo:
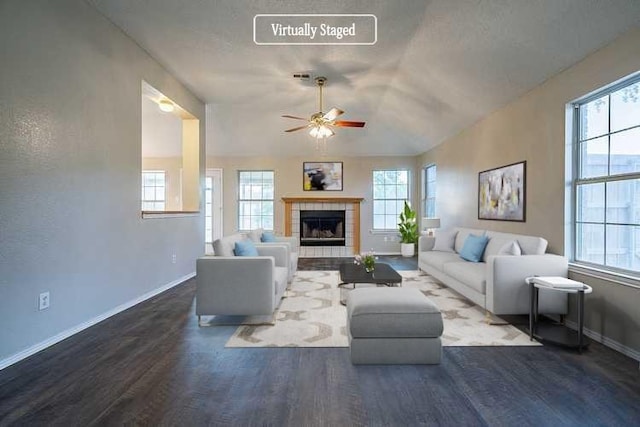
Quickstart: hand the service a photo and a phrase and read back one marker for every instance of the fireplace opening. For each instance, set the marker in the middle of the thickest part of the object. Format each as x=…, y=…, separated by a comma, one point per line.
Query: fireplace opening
x=322, y=228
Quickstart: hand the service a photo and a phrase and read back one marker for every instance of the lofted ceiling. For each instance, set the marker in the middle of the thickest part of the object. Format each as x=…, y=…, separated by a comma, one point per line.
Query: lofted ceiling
x=438, y=66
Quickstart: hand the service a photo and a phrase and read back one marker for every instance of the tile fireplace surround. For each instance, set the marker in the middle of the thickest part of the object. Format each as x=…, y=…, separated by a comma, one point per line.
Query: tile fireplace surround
x=351, y=206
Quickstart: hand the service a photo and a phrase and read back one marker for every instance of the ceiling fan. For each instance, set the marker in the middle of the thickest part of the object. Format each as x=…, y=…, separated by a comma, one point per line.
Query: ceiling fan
x=320, y=124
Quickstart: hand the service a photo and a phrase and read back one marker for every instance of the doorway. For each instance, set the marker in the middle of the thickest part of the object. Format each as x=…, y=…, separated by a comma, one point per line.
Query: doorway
x=213, y=208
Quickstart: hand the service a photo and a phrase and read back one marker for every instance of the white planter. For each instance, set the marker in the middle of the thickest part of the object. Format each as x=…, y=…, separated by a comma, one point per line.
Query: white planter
x=407, y=249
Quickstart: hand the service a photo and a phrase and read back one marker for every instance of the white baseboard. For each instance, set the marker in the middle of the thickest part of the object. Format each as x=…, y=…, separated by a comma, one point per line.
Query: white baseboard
x=74, y=330
x=597, y=336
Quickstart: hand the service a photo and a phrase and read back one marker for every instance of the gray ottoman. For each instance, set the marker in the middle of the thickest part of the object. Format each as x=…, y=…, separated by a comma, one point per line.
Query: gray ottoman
x=393, y=326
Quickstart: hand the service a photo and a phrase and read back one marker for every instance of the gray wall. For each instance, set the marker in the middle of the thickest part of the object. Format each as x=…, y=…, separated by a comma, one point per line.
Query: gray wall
x=357, y=177
x=532, y=128
x=70, y=156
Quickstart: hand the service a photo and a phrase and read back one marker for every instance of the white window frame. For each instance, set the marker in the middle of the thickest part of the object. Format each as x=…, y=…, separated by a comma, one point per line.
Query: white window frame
x=208, y=209
x=574, y=168
x=261, y=223
x=426, y=185
x=385, y=199
x=162, y=201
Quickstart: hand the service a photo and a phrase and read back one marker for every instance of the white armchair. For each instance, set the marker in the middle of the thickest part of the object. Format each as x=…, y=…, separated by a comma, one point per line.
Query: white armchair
x=292, y=248
x=239, y=285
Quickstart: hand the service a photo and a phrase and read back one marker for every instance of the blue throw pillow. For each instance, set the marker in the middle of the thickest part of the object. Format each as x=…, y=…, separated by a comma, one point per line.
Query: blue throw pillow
x=473, y=248
x=245, y=248
x=268, y=237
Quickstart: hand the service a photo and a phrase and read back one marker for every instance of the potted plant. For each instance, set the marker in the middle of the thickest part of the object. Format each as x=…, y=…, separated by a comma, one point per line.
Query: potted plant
x=408, y=228
x=367, y=259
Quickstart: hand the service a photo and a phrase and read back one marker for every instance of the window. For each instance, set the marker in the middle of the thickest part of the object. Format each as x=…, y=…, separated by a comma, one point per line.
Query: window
x=429, y=192
x=607, y=178
x=390, y=191
x=255, y=202
x=153, y=190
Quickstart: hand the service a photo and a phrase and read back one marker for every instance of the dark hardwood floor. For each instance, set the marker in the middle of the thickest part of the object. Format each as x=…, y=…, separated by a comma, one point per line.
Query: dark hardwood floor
x=153, y=365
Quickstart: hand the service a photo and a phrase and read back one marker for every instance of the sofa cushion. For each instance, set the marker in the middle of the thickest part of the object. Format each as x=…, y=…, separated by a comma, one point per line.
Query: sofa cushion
x=511, y=248
x=255, y=235
x=225, y=245
x=245, y=248
x=473, y=248
x=472, y=274
x=438, y=259
x=444, y=240
x=501, y=246
x=462, y=235
x=530, y=245
x=267, y=237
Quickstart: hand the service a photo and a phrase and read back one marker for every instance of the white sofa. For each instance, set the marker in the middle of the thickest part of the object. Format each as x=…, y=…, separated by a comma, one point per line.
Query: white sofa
x=497, y=283
x=241, y=285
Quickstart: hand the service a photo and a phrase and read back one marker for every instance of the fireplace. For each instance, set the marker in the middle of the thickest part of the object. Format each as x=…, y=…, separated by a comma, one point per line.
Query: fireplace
x=322, y=228
x=350, y=205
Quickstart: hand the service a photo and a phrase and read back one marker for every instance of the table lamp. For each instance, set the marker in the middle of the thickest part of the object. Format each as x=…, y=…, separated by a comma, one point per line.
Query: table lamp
x=428, y=224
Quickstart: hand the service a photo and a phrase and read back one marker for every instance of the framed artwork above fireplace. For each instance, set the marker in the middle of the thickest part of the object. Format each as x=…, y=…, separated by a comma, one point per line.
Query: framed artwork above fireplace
x=322, y=176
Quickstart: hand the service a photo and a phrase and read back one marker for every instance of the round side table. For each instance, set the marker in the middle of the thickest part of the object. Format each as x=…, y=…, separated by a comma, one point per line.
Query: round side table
x=557, y=334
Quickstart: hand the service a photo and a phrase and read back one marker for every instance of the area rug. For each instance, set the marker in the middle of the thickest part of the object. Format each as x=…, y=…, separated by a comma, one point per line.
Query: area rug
x=311, y=316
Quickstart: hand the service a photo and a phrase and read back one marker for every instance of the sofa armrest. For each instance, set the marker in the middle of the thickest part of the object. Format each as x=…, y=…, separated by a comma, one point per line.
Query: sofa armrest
x=279, y=252
x=426, y=243
x=276, y=243
x=291, y=240
x=235, y=285
x=292, y=255
x=507, y=292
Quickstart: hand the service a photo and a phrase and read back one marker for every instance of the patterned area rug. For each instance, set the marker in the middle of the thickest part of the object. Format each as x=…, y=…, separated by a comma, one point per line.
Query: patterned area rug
x=312, y=316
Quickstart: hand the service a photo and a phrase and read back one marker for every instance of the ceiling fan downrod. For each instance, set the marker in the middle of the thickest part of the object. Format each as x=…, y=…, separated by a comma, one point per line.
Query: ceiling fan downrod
x=320, y=81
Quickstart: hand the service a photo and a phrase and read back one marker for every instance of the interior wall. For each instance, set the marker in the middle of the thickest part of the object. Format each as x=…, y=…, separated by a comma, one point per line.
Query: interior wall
x=532, y=128
x=173, y=181
x=161, y=131
x=357, y=182
x=191, y=190
x=70, y=162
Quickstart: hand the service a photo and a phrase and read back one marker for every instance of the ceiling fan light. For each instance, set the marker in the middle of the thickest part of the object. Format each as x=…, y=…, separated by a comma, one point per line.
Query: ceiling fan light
x=325, y=132
x=166, y=105
x=320, y=131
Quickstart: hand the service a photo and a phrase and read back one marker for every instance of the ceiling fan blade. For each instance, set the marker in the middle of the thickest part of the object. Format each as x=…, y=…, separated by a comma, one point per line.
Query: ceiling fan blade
x=332, y=114
x=293, y=117
x=298, y=128
x=348, y=124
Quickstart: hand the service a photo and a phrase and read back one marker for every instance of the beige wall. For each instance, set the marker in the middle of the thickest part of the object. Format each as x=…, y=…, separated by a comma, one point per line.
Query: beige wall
x=357, y=177
x=191, y=188
x=532, y=128
x=172, y=167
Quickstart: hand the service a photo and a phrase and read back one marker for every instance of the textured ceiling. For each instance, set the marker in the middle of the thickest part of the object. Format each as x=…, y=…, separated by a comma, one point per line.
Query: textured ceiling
x=438, y=66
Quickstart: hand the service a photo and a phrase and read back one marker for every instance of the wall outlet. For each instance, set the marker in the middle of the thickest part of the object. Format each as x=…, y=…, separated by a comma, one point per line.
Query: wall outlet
x=173, y=259
x=43, y=301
